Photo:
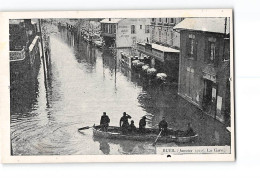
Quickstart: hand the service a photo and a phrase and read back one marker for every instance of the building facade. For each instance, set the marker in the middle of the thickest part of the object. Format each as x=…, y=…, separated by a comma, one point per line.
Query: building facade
x=163, y=47
x=204, y=70
x=23, y=49
x=162, y=32
x=125, y=33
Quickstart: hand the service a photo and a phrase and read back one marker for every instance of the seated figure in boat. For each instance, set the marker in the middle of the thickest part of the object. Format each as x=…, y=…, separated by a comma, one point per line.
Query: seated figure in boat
x=132, y=128
x=163, y=126
x=189, y=131
x=124, y=124
x=104, y=122
x=142, y=124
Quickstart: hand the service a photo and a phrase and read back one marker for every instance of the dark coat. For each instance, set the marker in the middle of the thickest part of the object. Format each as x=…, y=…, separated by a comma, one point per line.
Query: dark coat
x=124, y=121
x=104, y=120
x=163, y=125
x=132, y=127
x=142, y=123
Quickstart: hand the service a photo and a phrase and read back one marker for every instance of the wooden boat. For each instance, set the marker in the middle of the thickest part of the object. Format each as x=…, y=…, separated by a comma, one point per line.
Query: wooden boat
x=149, y=135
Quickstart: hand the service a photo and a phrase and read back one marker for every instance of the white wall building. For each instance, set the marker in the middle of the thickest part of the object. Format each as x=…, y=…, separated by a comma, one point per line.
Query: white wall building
x=125, y=32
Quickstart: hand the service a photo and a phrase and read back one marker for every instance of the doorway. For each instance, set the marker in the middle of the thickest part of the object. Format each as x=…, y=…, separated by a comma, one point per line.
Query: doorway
x=207, y=95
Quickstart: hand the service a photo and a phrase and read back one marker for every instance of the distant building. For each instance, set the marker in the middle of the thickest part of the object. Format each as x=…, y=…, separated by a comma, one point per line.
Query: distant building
x=162, y=32
x=163, y=47
x=125, y=33
x=205, y=65
x=23, y=49
x=21, y=33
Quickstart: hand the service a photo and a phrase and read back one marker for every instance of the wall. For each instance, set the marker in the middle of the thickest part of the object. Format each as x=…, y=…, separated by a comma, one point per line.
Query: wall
x=163, y=33
x=194, y=67
x=124, y=37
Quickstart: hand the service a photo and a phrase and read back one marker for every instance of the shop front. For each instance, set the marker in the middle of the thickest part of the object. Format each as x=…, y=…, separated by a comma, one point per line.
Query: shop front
x=163, y=59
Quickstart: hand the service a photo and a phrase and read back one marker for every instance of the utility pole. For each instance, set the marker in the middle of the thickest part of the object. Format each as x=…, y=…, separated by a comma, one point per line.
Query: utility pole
x=43, y=55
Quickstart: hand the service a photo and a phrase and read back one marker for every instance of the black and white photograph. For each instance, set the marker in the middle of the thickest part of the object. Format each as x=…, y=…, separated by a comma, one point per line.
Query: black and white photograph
x=122, y=86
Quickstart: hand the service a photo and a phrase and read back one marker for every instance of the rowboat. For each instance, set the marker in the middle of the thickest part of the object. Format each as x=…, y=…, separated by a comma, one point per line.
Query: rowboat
x=150, y=134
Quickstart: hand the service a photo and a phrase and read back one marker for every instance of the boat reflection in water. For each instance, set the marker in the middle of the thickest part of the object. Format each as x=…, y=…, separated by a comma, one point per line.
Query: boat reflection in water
x=125, y=146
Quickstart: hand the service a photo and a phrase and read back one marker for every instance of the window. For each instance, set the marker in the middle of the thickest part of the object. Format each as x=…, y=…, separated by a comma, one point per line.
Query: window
x=226, y=49
x=191, y=45
x=152, y=35
x=114, y=29
x=171, y=38
x=132, y=29
x=134, y=40
x=212, y=48
x=141, y=26
x=212, y=51
x=147, y=28
x=160, y=35
x=160, y=19
x=173, y=21
x=153, y=19
x=166, y=20
x=109, y=28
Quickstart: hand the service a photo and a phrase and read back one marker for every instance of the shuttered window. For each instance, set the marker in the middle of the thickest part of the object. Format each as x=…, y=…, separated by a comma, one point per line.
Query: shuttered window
x=147, y=27
x=132, y=29
x=211, y=50
x=191, y=46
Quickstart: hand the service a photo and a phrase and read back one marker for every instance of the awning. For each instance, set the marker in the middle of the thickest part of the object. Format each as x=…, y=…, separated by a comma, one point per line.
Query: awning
x=162, y=48
x=155, y=50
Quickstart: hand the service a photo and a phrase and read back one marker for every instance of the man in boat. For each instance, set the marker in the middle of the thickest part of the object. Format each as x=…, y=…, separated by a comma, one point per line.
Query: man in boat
x=163, y=125
x=124, y=124
x=104, y=122
x=142, y=124
x=189, y=131
x=132, y=127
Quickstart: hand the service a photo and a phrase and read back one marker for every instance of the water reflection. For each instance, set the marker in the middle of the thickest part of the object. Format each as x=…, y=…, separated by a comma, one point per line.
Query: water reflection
x=83, y=82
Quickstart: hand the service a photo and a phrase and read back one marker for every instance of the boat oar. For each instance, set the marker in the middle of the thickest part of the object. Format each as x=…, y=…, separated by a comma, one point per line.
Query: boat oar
x=83, y=128
x=157, y=138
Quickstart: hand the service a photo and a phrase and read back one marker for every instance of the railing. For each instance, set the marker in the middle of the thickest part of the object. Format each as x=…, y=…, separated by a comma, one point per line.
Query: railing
x=17, y=55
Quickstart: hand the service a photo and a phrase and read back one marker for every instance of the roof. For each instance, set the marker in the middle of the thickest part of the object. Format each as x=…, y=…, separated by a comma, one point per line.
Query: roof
x=162, y=48
x=15, y=21
x=216, y=25
x=110, y=20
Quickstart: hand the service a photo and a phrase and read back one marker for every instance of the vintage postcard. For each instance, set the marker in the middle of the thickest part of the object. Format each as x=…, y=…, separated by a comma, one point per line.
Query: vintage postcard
x=117, y=86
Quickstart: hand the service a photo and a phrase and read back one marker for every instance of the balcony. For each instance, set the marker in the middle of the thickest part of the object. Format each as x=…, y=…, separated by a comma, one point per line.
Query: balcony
x=17, y=55
x=105, y=34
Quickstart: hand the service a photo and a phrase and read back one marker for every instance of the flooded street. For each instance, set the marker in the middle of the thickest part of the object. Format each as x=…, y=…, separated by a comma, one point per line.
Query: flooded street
x=83, y=82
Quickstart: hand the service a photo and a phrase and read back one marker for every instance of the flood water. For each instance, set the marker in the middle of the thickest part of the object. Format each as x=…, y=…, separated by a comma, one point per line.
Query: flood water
x=82, y=83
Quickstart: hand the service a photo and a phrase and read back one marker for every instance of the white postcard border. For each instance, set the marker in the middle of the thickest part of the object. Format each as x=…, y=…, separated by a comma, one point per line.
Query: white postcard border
x=5, y=83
